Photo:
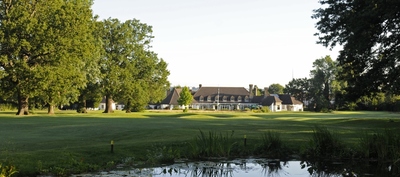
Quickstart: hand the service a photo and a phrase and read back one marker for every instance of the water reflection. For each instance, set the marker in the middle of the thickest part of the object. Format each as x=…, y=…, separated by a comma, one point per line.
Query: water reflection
x=259, y=168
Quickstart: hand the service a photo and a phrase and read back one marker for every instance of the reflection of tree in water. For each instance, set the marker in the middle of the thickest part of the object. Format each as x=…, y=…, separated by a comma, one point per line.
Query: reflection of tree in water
x=350, y=169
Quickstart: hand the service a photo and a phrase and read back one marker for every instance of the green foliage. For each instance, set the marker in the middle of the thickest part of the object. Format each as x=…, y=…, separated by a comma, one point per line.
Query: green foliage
x=275, y=89
x=162, y=155
x=7, y=170
x=321, y=83
x=48, y=48
x=211, y=145
x=324, y=145
x=185, y=97
x=272, y=146
x=67, y=165
x=298, y=88
x=132, y=73
x=380, y=145
x=368, y=32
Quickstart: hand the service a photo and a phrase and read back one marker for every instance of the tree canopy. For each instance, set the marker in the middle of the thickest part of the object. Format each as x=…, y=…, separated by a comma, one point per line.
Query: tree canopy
x=275, y=89
x=131, y=72
x=368, y=31
x=56, y=53
x=44, y=48
x=185, y=97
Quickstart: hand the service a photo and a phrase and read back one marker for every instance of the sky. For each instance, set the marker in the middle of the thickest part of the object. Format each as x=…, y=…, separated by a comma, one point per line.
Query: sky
x=230, y=43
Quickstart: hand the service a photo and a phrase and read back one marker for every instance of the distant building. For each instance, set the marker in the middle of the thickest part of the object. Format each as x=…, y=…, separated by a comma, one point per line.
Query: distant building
x=232, y=98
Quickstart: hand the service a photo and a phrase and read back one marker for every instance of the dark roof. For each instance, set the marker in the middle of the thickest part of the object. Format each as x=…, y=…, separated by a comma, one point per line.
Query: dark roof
x=268, y=100
x=287, y=99
x=172, y=97
x=227, y=92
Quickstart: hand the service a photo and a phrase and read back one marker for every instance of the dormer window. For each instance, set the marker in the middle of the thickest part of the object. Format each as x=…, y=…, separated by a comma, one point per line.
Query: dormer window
x=232, y=99
x=246, y=99
x=224, y=99
x=201, y=99
x=209, y=98
x=217, y=98
x=239, y=99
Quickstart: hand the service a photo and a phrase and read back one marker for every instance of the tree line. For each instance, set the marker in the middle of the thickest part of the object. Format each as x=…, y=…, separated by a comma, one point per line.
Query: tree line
x=58, y=52
x=366, y=74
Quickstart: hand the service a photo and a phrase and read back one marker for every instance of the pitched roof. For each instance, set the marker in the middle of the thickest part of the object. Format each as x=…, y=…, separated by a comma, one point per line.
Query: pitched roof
x=268, y=100
x=227, y=92
x=287, y=99
x=172, y=97
x=222, y=91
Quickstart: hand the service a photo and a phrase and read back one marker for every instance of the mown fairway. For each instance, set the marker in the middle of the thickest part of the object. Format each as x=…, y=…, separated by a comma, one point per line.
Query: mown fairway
x=45, y=140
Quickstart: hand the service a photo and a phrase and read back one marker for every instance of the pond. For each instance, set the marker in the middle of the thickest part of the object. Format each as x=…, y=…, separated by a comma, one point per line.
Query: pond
x=253, y=167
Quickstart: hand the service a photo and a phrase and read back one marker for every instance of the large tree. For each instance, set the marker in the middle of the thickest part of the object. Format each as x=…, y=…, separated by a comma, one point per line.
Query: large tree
x=44, y=47
x=368, y=31
x=131, y=71
x=322, y=82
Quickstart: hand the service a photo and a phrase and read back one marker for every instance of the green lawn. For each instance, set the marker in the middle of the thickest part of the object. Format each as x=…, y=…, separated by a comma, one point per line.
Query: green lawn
x=41, y=141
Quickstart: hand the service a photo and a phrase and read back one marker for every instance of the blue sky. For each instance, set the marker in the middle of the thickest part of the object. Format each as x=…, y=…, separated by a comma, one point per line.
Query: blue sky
x=227, y=42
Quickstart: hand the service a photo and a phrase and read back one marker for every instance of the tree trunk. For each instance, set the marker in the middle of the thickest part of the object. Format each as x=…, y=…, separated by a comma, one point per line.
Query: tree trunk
x=50, y=109
x=109, y=102
x=82, y=104
x=128, y=106
x=23, y=107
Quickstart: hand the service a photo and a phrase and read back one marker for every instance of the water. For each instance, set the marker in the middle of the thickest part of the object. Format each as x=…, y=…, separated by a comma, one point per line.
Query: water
x=252, y=168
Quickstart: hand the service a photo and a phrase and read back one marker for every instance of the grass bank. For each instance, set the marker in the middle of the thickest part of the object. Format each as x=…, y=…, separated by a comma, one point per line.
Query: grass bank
x=68, y=142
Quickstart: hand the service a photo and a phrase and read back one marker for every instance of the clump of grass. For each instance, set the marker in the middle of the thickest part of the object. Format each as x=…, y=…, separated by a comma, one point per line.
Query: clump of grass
x=212, y=144
x=324, y=145
x=162, y=155
x=7, y=170
x=272, y=145
x=382, y=145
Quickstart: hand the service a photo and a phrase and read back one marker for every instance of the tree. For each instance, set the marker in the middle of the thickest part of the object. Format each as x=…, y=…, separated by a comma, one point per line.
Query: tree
x=322, y=79
x=44, y=47
x=299, y=88
x=185, y=97
x=275, y=89
x=368, y=30
x=131, y=71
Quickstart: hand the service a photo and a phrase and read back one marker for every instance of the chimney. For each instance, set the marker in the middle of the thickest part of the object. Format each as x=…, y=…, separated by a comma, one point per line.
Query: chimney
x=200, y=86
x=255, y=90
x=266, y=93
x=251, y=90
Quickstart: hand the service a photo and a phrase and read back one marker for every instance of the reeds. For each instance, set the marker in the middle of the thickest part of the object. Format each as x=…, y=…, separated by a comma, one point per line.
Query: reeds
x=211, y=144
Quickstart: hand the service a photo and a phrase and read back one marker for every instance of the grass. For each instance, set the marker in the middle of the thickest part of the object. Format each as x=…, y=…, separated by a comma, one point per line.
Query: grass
x=66, y=141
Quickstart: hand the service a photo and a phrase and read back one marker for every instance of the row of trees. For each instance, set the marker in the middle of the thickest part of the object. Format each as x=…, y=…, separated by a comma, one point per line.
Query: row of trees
x=324, y=91
x=368, y=67
x=57, y=52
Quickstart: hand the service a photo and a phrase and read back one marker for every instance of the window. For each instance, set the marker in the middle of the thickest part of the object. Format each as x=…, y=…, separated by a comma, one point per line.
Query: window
x=217, y=98
x=201, y=98
x=246, y=99
x=209, y=98
x=232, y=99
x=224, y=99
x=239, y=99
